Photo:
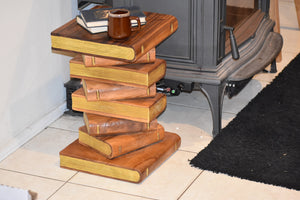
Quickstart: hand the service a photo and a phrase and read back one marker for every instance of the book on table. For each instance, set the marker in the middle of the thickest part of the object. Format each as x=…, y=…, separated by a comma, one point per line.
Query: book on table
x=96, y=61
x=118, y=145
x=142, y=110
x=139, y=75
x=133, y=167
x=99, y=16
x=95, y=29
x=72, y=37
x=99, y=125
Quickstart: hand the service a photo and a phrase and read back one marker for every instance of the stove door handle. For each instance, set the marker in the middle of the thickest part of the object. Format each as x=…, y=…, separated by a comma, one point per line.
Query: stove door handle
x=234, y=49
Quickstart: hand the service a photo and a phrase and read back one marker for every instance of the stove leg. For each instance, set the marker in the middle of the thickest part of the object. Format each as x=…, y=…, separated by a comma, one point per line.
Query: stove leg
x=215, y=96
x=273, y=67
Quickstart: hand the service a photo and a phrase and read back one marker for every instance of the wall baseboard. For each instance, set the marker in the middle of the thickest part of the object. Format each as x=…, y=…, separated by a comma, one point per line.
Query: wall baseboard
x=32, y=130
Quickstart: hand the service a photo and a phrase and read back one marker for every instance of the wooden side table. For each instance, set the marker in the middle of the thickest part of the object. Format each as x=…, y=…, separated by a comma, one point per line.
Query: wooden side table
x=121, y=138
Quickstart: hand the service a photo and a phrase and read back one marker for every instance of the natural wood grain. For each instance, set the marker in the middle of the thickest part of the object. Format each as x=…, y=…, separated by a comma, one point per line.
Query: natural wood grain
x=143, y=75
x=118, y=145
x=241, y=3
x=274, y=15
x=246, y=29
x=268, y=52
x=246, y=20
x=96, y=90
x=95, y=61
x=297, y=5
x=142, y=110
x=132, y=167
x=72, y=37
x=234, y=14
x=131, y=147
x=102, y=125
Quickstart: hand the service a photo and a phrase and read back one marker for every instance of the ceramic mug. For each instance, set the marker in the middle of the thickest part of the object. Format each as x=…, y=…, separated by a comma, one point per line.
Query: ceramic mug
x=119, y=23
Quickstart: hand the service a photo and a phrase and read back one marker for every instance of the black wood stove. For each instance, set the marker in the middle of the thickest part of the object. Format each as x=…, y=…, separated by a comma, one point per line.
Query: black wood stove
x=219, y=43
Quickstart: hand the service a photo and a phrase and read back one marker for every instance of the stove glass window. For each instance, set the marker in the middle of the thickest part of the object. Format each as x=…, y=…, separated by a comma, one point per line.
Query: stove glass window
x=238, y=11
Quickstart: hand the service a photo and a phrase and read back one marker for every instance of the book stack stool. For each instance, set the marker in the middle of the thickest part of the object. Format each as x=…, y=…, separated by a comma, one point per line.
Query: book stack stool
x=121, y=137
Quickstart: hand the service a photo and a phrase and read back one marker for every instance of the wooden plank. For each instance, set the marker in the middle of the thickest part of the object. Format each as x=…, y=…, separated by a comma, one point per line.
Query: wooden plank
x=143, y=75
x=72, y=37
x=297, y=5
x=97, y=90
x=142, y=110
x=274, y=15
x=132, y=167
x=95, y=61
x=98, y=125
x=246, y=29
x=118, y=145
x=268, y=52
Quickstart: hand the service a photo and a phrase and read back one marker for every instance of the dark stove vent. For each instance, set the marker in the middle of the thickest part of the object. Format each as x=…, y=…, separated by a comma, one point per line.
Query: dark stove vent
x=71, y=86
x=234, y=87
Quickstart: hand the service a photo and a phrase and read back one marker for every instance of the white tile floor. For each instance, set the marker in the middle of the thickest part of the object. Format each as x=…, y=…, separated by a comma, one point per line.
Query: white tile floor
x=35, y=165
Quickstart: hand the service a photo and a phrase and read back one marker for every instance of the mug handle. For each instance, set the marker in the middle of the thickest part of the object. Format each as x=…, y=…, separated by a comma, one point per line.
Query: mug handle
x=138, y=21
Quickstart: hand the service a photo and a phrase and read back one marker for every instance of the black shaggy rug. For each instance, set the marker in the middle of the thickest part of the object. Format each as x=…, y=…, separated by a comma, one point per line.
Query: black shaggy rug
x=262, y=143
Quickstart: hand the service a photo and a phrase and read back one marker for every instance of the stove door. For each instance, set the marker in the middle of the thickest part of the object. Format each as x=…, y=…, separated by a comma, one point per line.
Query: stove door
x=244, y=17
x=197, y=43
x=181, y=46
x=201, y=43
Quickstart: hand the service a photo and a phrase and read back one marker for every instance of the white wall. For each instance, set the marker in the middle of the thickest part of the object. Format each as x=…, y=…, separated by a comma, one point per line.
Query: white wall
x=32, y=77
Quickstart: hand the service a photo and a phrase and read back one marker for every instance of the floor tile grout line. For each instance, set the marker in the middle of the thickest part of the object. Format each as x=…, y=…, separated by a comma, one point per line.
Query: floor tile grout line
x=65, y=182
x=207, y=109
x=188, y=106
x=32, y=138
x=190, y=185
x=37, y=136
x=292, y=52
x=34, y=175
x=187, y=151
x=62, y=129
x=79, y=184
x=68, y=181
x=290, y=28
